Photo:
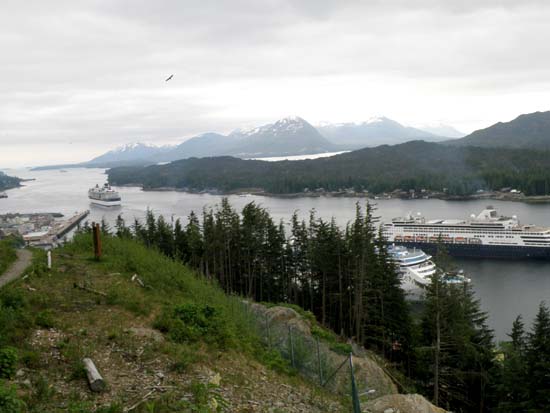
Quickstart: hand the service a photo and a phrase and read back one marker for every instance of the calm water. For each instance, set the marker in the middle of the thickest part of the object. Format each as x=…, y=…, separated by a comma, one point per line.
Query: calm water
x=505, y=288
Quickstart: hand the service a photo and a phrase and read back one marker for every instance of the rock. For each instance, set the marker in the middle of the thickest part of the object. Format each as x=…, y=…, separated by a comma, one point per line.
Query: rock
x=149, y=333
x=369, y=373
x=20, y=373
x=402, y=403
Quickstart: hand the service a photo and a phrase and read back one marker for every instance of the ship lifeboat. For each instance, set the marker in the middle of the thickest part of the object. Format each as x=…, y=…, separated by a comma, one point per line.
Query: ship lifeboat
x=461, y=240
x=447, y=240
x=421, y=238
x=398, y=238
x=434, y=239
x=475, y=241
x=408, y=238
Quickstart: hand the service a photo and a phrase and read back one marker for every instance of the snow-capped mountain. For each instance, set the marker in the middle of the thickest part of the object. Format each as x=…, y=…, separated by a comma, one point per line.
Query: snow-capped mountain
x=131, y=152
x=288, y=136
x=372, y=132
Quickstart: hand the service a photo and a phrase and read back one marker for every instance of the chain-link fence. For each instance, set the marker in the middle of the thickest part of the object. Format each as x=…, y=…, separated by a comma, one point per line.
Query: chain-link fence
x=312, y=358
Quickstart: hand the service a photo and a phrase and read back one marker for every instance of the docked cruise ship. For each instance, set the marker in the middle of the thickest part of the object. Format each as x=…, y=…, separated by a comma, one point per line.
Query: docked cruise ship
x=415, y=266
x=416, y=269
x=487, y=235
x=104, y=196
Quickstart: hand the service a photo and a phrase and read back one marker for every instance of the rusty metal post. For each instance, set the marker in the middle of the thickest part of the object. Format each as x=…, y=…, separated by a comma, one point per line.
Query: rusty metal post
x=97, y=241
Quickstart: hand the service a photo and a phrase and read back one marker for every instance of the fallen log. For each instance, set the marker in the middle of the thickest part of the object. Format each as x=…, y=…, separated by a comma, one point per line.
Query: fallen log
x=96, y=382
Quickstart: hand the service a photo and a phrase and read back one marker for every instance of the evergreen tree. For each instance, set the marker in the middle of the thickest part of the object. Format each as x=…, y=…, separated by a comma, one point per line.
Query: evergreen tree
x=538, y=361
x=181, y=246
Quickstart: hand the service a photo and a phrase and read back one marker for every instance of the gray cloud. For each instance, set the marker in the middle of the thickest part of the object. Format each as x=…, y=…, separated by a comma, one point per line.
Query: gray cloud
x=94, y=70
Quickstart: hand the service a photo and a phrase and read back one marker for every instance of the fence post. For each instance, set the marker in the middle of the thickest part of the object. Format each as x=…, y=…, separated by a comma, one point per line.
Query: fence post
x=319, y=363
x=354, y=393
x=49, y=259
x=268, y=332
x=97, y=241
x=291, y=343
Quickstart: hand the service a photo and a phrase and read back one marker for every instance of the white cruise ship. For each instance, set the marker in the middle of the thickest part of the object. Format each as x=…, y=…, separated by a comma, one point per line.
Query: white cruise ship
x=487, y=235
x=104, y=196
x=415, y=266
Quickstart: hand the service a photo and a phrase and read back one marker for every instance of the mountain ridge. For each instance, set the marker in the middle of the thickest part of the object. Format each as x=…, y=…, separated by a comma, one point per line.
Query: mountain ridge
x=527, y=131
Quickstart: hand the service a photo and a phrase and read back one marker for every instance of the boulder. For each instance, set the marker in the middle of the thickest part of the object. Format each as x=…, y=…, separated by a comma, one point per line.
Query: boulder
x=401, y=403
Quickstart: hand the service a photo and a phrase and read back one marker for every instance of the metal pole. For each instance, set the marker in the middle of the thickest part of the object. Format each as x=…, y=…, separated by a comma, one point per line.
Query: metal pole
x=49, y=259
x=268, y=332
x=291, y=346
x=319, y=363
x=354, y=393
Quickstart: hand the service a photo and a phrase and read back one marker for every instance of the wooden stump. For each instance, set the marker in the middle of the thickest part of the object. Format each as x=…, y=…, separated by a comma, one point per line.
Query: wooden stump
x=96, y=382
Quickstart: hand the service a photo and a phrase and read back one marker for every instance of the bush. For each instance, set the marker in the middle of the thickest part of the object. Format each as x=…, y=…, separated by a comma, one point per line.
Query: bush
x=9, y=402
x=45, y=319
x=189, y=323
x=8, y=362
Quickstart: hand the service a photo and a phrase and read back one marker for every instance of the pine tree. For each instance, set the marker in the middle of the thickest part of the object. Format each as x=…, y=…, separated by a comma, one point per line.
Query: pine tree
x=538, y=361
x=181, y=246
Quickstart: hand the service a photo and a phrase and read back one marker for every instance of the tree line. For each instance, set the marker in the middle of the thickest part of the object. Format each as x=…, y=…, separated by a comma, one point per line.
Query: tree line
x=413, y=165
x=347, y=279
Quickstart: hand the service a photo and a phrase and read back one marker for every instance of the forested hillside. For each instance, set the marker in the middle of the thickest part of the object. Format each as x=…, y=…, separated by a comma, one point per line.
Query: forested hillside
x=7, y=182
x=413, y=165
x=345, y=278
x=529, y=131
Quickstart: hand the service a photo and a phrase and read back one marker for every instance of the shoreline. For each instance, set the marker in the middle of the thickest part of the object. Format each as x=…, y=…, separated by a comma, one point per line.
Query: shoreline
x=537, y=199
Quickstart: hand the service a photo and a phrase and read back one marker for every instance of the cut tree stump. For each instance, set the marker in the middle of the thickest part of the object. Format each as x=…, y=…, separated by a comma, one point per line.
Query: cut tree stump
x=96, y=382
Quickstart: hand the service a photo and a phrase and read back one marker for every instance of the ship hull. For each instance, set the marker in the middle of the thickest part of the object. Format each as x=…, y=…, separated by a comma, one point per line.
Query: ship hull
x=105, y=203
x=484, y=251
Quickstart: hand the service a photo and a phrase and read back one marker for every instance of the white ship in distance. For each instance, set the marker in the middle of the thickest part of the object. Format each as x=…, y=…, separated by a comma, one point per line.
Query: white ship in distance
x=104, y=196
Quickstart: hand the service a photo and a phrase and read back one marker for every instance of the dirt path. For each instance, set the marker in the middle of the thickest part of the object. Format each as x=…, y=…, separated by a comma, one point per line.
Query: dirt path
x=24, y=258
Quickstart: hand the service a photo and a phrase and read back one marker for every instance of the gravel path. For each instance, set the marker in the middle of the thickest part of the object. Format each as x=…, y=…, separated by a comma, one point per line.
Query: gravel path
x=24, y=258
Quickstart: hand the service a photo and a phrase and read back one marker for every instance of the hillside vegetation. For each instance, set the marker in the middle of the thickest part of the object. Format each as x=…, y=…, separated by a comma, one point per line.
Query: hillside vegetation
x=208, y=357
x=7, y=254
x=8, y=182
x=413, y=165
x=529, y=131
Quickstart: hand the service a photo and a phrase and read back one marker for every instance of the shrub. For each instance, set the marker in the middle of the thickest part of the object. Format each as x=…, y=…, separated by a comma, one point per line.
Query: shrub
x=8, y=362
x=45, y=319
x=341, y=348
x=188, y=323
x=9, y=402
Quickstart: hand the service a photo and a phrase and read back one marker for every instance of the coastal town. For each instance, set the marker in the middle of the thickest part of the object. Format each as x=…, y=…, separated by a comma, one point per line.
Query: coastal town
x=45, y=230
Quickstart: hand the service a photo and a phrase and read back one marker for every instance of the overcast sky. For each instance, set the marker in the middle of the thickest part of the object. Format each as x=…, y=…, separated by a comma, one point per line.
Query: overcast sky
x=80, y=77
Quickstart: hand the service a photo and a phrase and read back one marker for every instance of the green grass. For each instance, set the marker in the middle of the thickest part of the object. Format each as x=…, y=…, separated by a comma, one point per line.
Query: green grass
x=85, y=308
x=7, y=254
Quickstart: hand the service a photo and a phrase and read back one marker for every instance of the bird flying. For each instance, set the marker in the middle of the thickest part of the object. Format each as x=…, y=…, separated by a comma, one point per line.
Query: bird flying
x=169, y=77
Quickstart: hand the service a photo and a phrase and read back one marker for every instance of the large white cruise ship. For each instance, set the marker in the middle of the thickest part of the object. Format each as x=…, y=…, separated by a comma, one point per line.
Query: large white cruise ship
x=486, y=235
x=104, y=196
x=415, y=266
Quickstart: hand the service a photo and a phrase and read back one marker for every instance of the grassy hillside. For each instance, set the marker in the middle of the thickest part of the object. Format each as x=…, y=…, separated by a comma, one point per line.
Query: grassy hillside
x=7, y=254
x=177, y=343
x=413, y=165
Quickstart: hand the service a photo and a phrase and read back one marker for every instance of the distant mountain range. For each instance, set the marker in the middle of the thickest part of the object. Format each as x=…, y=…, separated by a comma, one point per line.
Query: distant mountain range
x=374, y=132
x=530, y=131
x=286, y=137
x=295, y=136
